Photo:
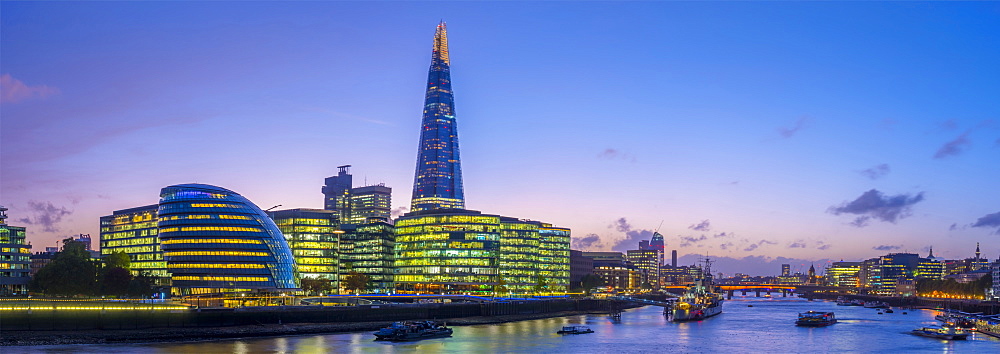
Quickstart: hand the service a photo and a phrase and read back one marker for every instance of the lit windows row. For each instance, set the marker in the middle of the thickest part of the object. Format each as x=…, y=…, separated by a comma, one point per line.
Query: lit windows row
x=220, y=278
x=211, y=228
x=215, y=253
x=217, y=265
x=203, y=216
x=210, y=240
x=16, y=250
x=130, y=242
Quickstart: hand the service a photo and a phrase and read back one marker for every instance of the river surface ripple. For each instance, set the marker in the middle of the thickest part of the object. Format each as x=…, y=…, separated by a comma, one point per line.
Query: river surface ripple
x=766, y=326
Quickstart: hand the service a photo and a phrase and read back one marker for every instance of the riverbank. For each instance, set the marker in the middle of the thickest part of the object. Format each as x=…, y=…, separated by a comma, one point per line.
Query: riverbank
x=24, y=338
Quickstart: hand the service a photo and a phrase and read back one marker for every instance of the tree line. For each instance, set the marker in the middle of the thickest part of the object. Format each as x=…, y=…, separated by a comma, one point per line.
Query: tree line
x=950, y=286
x=73, y=273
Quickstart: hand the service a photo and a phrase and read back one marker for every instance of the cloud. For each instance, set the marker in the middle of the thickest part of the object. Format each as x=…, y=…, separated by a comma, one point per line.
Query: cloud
x=789, y=132
x=797, y=245
x=989, y=221
x=754, y=246
x=876, y=172
x=704, y=225
x=690, y=240
x=954, y=147
x=725, y=246
x=823, y=246
x=723, y=234
x=621, y=225
x=13, y=90
x=46, y=215
x=591, y=241
x=886, y=248
x=875, y=205
x=632, y=236
x=614, y=154
x=950, y=124
x=397, y=212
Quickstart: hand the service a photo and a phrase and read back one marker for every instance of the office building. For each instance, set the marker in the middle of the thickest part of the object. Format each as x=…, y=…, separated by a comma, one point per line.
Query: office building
x=451, y=251
x=134, y=232
x=215, y=240
x=786, y=270
x=553, y=256
x=368, y=249
x=648, y=263
x=313, y=237
x=15, y=258
x=356, y=205
x=843, y=274
x=579, y=266
x=438, y=179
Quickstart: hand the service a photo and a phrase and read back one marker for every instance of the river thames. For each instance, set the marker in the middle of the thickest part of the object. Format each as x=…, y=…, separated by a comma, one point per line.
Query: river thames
x=747, y=325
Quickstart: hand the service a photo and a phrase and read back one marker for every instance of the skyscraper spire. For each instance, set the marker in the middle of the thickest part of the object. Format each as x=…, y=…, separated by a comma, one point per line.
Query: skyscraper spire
x=438, y=180
x=931, y=254
x=977, y=250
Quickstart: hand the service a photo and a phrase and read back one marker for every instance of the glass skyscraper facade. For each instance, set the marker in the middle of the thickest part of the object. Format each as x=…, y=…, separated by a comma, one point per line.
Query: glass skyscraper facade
x=438, y=180
x=134, y=232
x=15, y=258
x=553, y=256
x=312, y=235
x=368, y=249
x=215, y=240
x=447, y=252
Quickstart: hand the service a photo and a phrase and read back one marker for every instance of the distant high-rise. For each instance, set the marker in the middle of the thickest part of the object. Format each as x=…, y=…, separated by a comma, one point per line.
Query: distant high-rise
x=438, y=180
x=673, y=258
x=786, y=270
x=657, y=244
x=337, y=191
x=356, y=205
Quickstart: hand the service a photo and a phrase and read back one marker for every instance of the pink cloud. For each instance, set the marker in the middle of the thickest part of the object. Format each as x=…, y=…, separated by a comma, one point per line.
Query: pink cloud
x=13, y=90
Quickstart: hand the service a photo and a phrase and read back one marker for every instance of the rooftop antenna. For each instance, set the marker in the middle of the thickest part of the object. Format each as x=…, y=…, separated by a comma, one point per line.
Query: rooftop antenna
x=658, y=227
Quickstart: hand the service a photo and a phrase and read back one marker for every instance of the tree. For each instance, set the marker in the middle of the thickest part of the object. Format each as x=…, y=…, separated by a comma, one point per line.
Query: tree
x=70, y=273
x=591, y=281
x=141, y=286
x=115, y=281
x=541, y=284
x=317, y=286
x=356, y=282
x=501, y=287
x=118, y=259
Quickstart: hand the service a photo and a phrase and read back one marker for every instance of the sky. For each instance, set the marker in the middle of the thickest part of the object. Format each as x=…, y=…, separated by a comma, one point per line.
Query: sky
x=756, y=133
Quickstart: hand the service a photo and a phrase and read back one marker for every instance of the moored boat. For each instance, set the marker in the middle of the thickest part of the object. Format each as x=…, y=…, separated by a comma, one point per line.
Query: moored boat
x=699, y=300
x=575, y=330
x=411, y=331
x=989, y=326
x=948, y=333
x=816, y=319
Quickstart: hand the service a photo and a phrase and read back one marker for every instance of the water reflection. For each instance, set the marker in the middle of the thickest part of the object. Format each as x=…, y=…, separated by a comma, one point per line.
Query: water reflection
x=768, y=326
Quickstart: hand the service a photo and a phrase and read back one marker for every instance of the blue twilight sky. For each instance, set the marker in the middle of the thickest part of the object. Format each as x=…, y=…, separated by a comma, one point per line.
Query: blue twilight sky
x=814, y=131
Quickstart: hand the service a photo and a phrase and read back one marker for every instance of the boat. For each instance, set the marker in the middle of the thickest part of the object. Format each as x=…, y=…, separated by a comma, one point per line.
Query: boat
x=816, y=319
x=989, y=325
x=956, y=320
x=888, y=310
x=844, y=301
x=575, y=330
x=876, y=305
x=949, y=333
x=411, y=331
x=699, y=300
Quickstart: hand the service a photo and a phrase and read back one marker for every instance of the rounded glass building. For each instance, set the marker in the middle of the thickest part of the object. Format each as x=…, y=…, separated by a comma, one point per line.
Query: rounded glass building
x=215, y=240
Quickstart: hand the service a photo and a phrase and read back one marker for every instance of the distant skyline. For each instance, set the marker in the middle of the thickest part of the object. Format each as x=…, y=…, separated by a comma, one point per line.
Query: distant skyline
x=815, y=131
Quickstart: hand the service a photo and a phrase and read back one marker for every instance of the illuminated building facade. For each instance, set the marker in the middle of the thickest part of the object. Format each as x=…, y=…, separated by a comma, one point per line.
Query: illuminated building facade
x=447, y=252
x=843, y=274
x=619, y=277
x=134, y=232
x=313, y=238
x=370, y=204
x=519, y=243
x=215, y=240
x=356, y=205
x=657, y=244
x=786, y=270
x=369, y=249
x=438, y=179
x=15, y=258
x=647, y=260
x=553, y=256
